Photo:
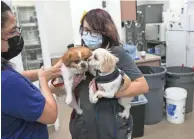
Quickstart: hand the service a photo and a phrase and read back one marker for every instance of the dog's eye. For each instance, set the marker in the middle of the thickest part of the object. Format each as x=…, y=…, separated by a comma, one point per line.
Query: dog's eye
x=95, y=57
x=76, y=61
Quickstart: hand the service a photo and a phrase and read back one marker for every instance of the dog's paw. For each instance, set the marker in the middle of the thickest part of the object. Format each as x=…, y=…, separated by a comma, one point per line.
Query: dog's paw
x=79, y=111
x=90, y=98
x=84, y=77
x=68, y=100
x=94, y=99
x=124, y=114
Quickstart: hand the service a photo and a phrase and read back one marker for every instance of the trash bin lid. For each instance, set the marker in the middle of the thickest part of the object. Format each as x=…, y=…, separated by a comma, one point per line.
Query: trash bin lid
x=139, y=100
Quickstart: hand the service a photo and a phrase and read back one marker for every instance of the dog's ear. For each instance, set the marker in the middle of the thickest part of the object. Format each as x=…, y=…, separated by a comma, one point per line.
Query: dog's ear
x=86, y=53
x=116, y=59
x=108, y=63
x=67, y=58
x=89, y=53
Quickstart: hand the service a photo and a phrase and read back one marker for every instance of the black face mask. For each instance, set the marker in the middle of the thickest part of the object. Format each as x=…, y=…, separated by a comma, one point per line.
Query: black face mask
x=16, y=45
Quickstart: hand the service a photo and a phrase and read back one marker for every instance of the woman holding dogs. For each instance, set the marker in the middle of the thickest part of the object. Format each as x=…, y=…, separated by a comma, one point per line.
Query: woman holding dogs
x=100, y=121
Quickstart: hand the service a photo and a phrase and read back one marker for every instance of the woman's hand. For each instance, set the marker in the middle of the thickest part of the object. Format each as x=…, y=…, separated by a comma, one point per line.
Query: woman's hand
x=77, y=79
x=50, y=73
x=93, y=85
x=32, y=75
x=126, y=84
x=58, y=64
x=60, y=90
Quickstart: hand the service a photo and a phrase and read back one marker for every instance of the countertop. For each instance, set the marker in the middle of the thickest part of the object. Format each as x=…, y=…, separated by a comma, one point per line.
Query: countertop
x=149, y=58
x=55, y=56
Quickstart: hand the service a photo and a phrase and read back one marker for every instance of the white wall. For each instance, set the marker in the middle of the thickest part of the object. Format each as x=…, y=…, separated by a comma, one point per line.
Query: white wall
x=22, y=2
x=58, y=26
x=113, y=7
x=176, y=5
x=76, y=13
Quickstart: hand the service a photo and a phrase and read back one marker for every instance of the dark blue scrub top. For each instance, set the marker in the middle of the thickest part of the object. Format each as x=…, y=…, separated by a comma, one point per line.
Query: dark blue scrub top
x=21, y=105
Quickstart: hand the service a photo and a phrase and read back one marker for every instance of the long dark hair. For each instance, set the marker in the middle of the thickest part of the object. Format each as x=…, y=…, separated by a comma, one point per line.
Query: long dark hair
x=4, y=17
x=100, y=21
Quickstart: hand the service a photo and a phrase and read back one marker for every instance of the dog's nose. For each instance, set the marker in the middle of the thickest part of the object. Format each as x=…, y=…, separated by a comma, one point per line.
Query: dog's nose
x=83, y=65
x=89, y=59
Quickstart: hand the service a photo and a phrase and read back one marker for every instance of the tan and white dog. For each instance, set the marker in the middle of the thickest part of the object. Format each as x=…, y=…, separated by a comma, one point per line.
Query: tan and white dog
x=74, y=63
x=108, y=79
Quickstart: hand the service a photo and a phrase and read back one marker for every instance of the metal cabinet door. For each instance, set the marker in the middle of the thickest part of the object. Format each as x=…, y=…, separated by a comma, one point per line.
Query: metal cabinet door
x=176, y=48
x=190, y=50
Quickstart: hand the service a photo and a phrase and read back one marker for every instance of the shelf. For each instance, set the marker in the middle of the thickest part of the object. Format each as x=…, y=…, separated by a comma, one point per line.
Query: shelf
x=26, y=5
x=38, y=61
x=31, y=43
x=32, y=49
x=29, y=24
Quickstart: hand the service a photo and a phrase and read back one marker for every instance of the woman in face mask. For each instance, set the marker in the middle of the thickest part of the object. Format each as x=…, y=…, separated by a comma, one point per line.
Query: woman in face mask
x=100, y=121
x=25, y=111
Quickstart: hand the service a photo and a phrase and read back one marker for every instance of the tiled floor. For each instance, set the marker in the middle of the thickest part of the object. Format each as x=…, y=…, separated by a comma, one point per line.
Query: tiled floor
x=163, y=130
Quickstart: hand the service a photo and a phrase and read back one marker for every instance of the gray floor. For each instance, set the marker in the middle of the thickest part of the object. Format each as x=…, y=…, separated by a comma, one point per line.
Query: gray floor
x=163, y=130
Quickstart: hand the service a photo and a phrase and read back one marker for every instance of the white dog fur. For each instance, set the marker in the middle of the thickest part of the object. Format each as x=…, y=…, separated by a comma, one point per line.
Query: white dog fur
x=70, y=100
x=74, y=63
x=105, y=62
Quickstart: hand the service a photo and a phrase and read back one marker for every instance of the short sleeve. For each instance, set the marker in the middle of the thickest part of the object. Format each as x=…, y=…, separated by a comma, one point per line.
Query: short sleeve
x=21, y=99
x=126, y=63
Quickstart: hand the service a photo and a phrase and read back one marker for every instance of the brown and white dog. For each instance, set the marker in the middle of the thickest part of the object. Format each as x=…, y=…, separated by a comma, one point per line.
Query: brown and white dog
x=74, y=63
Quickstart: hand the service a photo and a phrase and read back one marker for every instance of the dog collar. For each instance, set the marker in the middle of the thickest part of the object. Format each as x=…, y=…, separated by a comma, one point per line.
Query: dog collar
x=108, y=78
x=58, y=84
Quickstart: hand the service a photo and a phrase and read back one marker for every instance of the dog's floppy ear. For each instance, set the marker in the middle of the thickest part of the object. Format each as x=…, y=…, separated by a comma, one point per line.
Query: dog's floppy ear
x=108, y=63
x=88, y=53
x=67, y=58
x=116, y=59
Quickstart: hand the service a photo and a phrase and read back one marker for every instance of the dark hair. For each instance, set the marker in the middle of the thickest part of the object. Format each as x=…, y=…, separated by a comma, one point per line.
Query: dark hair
x=100, y=21
x=70, y=45
x=4, y=16
x=4, y=9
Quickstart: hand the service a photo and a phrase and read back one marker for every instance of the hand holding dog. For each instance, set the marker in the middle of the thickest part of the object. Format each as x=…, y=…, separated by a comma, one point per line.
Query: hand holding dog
x=49, y=74
x=127, y=82
x=59, y=91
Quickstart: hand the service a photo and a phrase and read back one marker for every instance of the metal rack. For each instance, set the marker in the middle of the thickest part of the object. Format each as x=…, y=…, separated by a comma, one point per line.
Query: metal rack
x=32, y=52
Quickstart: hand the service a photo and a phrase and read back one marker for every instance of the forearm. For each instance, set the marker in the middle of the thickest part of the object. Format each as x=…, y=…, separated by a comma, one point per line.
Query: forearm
x=136, y=87
x=133, y=90
x=48, y=94
x=50, y=112
x=32, y=75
